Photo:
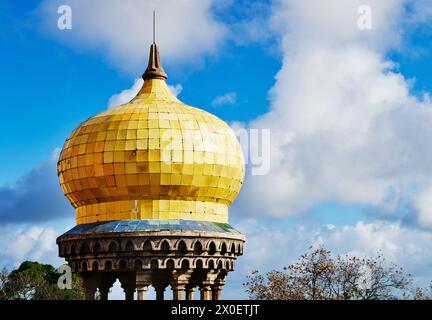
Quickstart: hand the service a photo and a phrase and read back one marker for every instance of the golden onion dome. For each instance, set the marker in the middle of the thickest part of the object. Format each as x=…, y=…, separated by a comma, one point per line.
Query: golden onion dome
x=152, y=158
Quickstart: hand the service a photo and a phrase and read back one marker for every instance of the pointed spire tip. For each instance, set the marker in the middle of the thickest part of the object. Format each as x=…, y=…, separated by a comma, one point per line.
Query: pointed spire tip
x=154, y=69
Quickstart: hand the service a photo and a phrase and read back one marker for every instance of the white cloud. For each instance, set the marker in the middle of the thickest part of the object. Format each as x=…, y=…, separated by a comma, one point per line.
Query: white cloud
x=423, y=204
x=226, y=99
x=344, y=126
x=121, y=31
x=334, y=23
x=175, y=89
x=275, y=247
x=126, y=95
x=35, y=243
x=36, y=196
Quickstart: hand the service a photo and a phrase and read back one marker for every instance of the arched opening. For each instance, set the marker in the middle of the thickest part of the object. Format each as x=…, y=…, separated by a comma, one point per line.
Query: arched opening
x=223, y=248
x=185, y=264
x=233, y=251
x=199, y=264
x=84, y=248
x=147, y=246
x=154, y=265
x=182, y=249
x=72, y=248
x=84, y=266
x=122, y=264
x=129, y=246
x=239, y=249
x=95, y=266
x=108, y=265
x=170, y=264
x=138, y=264
x=96, y=247
x=165, y=246
x=112, y=247
x=211, y=264
x=198, y=248
x=212, y=248
x=227, y=265
x=220, y=265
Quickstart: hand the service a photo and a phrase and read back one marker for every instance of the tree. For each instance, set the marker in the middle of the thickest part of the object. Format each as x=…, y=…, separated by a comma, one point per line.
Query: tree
x=423, y=293
x=319, y=276
x=3, y=280
x=35, y=281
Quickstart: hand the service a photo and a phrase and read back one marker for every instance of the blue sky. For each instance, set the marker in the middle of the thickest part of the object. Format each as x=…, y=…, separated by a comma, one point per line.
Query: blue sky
x=59, y=86
x=348, y=113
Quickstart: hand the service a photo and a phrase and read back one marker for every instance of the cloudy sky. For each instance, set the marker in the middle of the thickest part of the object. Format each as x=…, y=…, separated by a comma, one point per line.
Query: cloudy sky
x=347, y=105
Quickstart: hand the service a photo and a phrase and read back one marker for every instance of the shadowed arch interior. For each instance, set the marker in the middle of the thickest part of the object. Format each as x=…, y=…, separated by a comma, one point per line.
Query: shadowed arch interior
x=72, y=249
x=165, y=247
x=182, y=249
x=129, y=246
x=138, y=264
x=154, y=265
x=147, y=246
x=198, y=247
x=112, y=246
x=96, y=247
x=108, y=265
x=211, y=264
x=212, y=248
x=170, y=264
x=122, y=264
x=185, y=264
x=223, y=248
x=84, y=248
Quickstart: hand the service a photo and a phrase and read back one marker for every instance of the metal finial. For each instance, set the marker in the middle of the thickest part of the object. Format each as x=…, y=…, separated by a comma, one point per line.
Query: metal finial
x=154, y=69
x=154, y=26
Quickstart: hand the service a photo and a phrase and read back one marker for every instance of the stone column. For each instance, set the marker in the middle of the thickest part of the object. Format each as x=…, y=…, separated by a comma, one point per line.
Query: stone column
x=189, y=292
x=143, y=280
x=205, y=290
x=216, y=292
x=129, y=292
x=90, y=284
x=218, y=285
x=142, y=292
x=106, y=282
x=177, y=291
x=160, y=289
x=128, y=283
x=103, y=293
x=179, y=281
x=208, y=280
x=160, y=280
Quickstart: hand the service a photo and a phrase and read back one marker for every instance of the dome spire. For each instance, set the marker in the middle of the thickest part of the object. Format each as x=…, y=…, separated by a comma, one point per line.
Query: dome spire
x=154, y=68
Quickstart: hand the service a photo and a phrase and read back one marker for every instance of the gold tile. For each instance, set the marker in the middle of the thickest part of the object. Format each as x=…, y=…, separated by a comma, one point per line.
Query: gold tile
x=156, y=148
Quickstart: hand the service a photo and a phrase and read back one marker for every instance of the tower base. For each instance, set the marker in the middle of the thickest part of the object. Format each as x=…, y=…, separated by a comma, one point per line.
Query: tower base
x=183, y=255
